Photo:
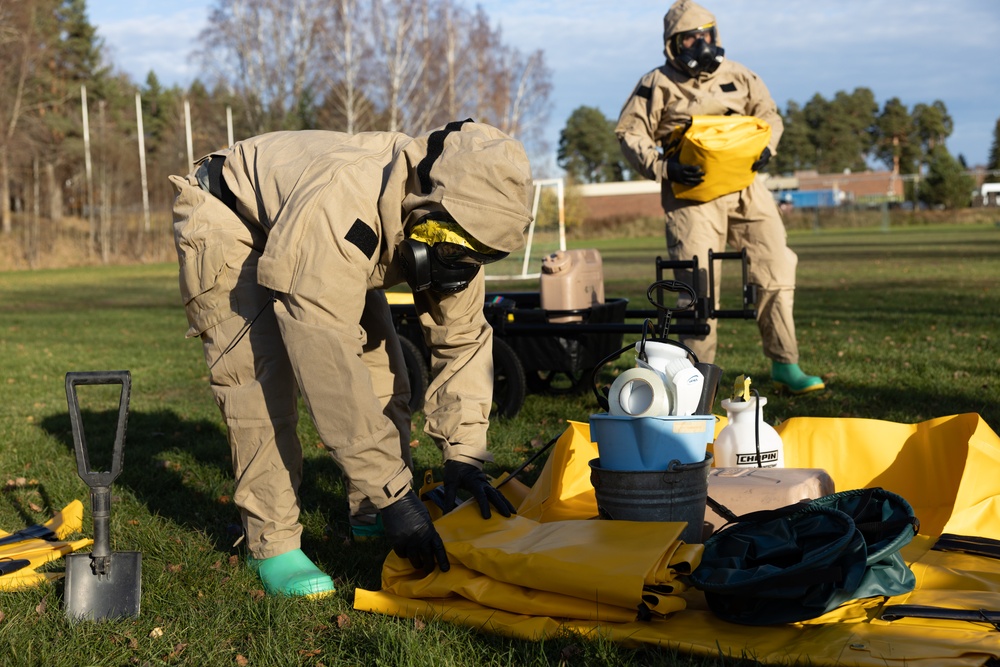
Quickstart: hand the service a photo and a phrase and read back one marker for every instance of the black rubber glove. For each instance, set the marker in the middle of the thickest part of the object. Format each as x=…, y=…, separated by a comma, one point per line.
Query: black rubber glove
x=684, y=174
x=458, y=475
x=762, y=161
x=409, y=530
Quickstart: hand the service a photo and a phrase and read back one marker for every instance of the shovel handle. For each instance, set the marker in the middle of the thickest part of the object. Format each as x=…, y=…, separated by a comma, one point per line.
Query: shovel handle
x=99, y=481
x=95, y=478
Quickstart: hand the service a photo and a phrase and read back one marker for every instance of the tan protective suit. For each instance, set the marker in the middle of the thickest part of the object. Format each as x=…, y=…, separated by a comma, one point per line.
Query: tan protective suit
x=312, y=242
x=665, y=99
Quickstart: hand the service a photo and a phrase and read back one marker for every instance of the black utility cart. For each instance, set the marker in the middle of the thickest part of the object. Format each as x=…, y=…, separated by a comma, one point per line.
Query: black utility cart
x=537, y=350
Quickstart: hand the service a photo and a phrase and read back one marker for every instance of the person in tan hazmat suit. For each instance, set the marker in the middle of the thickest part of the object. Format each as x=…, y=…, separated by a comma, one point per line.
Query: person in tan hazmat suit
x=285, y=242
x=697, y=79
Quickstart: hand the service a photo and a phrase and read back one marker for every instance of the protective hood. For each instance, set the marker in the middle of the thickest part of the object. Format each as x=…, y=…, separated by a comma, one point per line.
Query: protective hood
x=475, y=173
x=682, y=16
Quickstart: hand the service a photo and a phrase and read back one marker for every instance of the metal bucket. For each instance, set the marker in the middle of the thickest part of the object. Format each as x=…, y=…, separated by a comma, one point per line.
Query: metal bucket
x=678, y=493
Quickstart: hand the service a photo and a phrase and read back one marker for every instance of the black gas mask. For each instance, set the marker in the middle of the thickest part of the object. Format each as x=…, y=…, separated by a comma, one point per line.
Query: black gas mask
x=442, y=266
x=696, y=51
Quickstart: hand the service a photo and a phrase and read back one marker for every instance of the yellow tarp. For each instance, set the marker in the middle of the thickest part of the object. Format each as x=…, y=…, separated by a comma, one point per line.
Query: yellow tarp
x=947, y=468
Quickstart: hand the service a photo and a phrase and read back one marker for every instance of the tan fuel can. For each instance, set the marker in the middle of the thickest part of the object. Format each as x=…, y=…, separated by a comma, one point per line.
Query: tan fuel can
x=571, y=280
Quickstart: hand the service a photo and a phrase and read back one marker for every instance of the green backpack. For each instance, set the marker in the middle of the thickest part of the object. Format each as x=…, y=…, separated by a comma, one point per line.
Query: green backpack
x=801, y=561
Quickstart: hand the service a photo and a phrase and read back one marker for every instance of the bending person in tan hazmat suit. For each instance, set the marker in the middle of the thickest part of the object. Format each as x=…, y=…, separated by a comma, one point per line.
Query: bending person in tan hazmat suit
x=698, y=80
x=285, y=242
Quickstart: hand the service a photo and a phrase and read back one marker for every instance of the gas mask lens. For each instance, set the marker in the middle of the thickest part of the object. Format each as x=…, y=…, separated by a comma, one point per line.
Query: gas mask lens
x=688, y=39
x=454, y=255
x=458, y=256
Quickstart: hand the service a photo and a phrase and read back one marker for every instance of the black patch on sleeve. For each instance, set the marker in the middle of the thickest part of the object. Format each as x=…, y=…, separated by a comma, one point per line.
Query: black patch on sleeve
x=362, y=236
x=435, y=146
x=645, y=92
x=728, y=87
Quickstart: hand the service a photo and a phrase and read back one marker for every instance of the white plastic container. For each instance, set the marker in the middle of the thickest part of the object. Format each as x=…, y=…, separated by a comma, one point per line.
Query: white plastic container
x=572, y=280
x=735, y=446
x=684, y=382
x=659, y=355
x=639, y=392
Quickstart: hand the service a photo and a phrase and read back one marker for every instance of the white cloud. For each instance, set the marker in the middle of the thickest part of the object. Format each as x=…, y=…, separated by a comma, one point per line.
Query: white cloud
x=140, y=41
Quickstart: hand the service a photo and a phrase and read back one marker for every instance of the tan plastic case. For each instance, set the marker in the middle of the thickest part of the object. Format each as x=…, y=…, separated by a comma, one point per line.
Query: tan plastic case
x=745, y=490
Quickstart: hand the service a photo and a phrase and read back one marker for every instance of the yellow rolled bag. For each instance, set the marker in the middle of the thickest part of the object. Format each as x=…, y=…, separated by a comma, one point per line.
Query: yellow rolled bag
x=724, y=147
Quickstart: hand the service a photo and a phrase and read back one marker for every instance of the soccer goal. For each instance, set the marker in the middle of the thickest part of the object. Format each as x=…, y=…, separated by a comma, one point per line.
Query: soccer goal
x=532, y=252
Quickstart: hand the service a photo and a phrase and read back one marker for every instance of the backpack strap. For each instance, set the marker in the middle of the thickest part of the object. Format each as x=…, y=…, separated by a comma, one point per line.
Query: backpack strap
x=722, y=510
x=970, y=544
x=894, y=612
x=757, y=516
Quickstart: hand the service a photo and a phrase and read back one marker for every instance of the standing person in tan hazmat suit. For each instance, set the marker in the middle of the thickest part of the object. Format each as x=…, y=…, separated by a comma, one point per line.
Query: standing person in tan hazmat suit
x=285, y=242
x=697, y=79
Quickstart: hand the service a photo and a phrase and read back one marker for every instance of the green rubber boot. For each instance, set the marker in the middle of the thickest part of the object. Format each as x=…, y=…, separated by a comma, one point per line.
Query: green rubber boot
x=367, y=527
x=791, y=378
x=292, y=574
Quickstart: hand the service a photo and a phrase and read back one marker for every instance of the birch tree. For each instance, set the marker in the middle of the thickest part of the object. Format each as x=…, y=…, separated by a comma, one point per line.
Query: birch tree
x=357, y=65
x=405, y=56
x=18, y=56
x=347, y=52
x=526, y=86
x=265, y=50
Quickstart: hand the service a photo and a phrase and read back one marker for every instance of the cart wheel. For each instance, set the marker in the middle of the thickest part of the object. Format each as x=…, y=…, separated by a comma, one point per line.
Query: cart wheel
x=416, y=372
x=509, y=385
x=559, y=383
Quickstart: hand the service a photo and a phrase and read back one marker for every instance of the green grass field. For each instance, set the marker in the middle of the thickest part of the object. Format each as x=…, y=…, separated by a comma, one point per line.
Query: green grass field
x=901, y=324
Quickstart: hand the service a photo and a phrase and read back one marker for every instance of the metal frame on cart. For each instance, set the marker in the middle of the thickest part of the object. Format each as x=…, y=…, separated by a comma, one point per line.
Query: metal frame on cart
x=532, y=353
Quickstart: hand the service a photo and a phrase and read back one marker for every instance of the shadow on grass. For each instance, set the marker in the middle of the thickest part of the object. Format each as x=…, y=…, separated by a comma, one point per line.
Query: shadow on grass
x=17, y=496
x=847, y=399
x=180, y=469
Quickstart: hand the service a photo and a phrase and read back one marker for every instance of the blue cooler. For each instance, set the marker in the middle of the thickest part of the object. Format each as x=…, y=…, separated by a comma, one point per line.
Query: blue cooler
x=650, y=443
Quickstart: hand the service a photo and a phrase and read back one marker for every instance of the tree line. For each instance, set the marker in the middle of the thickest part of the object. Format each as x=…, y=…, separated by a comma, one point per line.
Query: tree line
x=70, y=119
x=848, y=132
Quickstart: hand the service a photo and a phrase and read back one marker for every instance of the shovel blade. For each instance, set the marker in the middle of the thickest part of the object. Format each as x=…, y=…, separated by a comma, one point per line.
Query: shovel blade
x=98, y=597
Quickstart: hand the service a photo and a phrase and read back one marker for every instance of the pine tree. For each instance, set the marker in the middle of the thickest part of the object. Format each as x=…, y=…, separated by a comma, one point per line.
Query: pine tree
x=946, y=184
x=588, y=149
x=73, y=58
x=933, y=125
x=993, y=165
x=895, y=139
x=795, y=151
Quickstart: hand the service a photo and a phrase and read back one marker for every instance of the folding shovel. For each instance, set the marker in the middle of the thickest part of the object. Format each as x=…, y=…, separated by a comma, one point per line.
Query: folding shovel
x=102, y=584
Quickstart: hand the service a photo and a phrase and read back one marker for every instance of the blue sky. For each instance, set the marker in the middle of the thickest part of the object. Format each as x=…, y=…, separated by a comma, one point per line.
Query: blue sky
x=916, y=50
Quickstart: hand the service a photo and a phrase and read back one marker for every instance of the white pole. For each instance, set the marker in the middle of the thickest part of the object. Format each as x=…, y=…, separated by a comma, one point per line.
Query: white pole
x=531, y=229
x=36, y=213
x=142, y=161
x=560, y=194
x=187, y=131
x=530, y=237
x=86, y=158
x=105, y=225
x=229, y=124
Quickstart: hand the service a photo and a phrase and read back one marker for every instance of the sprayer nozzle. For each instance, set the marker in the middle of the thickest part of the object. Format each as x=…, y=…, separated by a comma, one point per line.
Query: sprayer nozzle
x=741, y=389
